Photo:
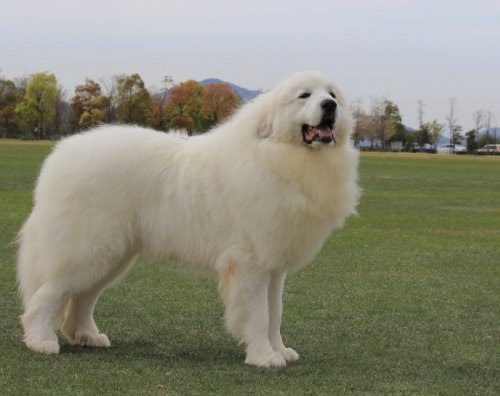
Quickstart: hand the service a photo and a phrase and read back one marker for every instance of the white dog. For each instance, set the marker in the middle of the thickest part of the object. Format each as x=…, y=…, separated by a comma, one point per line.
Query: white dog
x=252, y=201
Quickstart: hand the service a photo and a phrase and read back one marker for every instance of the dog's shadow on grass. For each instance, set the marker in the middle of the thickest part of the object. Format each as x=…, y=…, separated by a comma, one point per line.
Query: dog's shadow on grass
x=179, y=352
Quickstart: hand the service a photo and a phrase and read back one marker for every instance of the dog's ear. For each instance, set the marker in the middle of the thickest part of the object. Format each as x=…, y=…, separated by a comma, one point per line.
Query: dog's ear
x=265, y=125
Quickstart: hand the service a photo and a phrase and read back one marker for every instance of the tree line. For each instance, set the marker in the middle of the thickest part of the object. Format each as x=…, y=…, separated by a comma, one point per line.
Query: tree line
x=381, y=125
x=36, y=106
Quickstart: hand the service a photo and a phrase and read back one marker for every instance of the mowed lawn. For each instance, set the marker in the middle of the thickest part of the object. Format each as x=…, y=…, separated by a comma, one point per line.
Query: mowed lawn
x=405, y=299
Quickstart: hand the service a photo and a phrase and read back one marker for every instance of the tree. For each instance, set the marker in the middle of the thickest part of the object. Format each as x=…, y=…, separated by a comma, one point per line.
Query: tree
x=409, y=142
x=488, y=124
x=183, y=107
x=479, y=118
x=485, y=139
x=453, y=126
x=435, y=130
x=155, y=115
x=9, y=99
x=133, y=100
x=109, y=87
x=376, y=126
x=393, y=118
x=88, y=105
x=471, y=141
x=218, y=102
x=63, y=113
x=423, y=132
x=182, y=122
x=385, y=121
x=360, y=122
x=424, y=135
x=38, y=107
x=457, y=137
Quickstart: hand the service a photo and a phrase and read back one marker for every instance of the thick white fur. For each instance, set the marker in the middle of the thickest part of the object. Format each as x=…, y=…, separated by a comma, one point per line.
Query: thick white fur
x=248, y=201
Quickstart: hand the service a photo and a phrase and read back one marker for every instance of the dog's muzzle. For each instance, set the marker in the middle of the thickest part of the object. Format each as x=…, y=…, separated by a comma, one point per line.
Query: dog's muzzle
x=323, y=132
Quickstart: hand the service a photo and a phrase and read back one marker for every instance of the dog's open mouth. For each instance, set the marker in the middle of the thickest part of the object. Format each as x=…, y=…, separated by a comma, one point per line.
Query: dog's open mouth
x=322, y=132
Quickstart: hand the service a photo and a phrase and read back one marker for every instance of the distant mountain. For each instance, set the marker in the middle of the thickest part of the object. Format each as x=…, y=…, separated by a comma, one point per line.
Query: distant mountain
x=244, y=93
x=495, y=131
x=445, y=139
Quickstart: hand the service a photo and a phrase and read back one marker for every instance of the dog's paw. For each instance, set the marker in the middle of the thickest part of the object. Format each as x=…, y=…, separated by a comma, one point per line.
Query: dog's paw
x=274, y=359
x=90, y=340
x=48, y=347
x=289, y=354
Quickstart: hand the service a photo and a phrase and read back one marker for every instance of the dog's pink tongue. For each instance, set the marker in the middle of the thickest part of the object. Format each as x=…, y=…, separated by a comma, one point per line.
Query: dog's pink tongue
x=311, y=133
x=325, y=133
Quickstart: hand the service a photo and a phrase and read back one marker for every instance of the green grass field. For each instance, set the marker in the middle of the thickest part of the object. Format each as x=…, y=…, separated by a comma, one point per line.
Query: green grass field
x=405, y=299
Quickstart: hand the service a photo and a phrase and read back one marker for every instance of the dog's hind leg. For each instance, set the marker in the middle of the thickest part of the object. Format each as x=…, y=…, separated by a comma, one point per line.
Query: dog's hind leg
x=79, y=326
x=275, y=310
x=244, y=290
x=38, y=318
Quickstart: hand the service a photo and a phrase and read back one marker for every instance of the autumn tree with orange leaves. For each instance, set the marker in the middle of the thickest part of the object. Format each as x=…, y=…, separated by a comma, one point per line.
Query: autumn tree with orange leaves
x=88, y=105
x=183, y=107
x=121, y=98
x=218, y=102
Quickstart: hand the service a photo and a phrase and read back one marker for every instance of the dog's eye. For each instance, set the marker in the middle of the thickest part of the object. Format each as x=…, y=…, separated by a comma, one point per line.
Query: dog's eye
x=304, y=95
x=333, y=95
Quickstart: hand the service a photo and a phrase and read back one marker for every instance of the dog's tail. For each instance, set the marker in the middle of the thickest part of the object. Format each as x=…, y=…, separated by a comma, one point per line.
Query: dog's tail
x=28, y=276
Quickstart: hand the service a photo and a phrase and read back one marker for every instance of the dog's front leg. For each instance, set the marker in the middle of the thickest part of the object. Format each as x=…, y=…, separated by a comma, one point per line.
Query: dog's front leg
x=244, y=290
x=275, y=310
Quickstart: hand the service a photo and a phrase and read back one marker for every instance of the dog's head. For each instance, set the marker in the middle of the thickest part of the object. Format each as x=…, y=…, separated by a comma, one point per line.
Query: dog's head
x=306, y=109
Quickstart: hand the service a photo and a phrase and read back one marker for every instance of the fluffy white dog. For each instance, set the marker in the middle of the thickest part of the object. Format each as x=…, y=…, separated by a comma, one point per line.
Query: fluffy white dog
x=252, y=201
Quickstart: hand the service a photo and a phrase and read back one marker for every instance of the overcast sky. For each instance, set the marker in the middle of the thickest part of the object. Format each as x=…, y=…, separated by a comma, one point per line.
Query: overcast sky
x=403, y=50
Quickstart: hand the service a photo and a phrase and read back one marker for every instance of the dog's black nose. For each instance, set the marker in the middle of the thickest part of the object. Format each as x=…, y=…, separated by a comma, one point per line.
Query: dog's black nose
x=328, y=106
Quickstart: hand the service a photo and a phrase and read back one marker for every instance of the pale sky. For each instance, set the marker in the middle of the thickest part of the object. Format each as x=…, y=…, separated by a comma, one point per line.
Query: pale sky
x=403, y=50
